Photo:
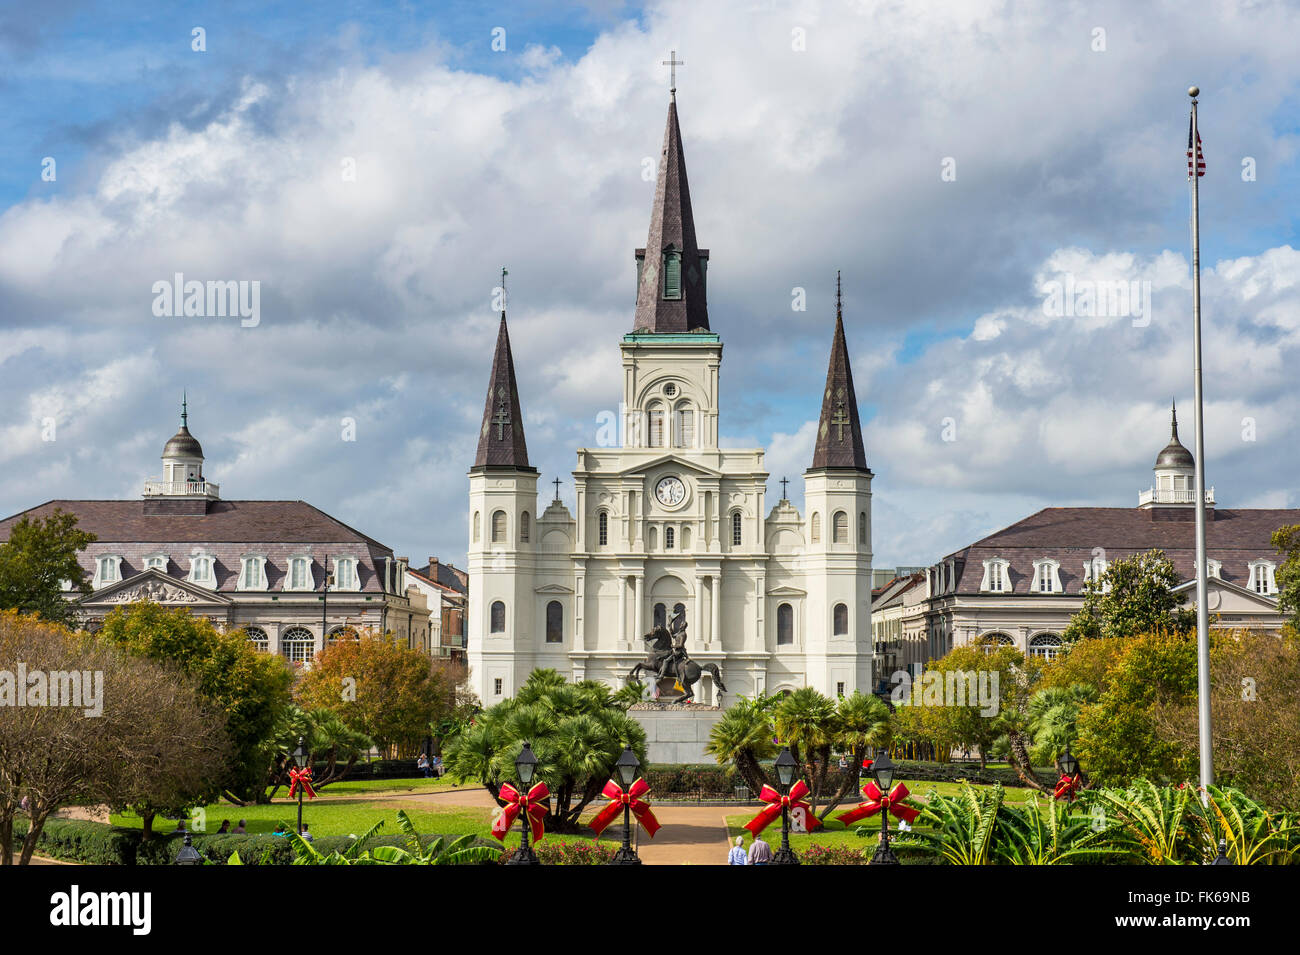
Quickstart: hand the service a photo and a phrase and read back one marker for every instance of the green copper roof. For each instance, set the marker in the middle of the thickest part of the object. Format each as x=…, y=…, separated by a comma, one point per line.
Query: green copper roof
x=674, y=338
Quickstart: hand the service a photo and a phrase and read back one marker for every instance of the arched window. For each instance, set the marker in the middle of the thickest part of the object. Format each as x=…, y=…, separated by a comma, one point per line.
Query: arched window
x=299, y=576
x=523, y=528
x=816, y=528
x=840, y=528
x=602, y=524
x=475, y=530
x=257, y=637
x=862, y=528
x=498, y=527
x=841, y=615
x=679, y=608
x=784, y=625
x=554, y=622
x=297, y=644
x=992, y=641
x=660, y=615
x=736, y=527
x=343, y=633
x=669, y=538
x=672, y=274
x=656, y=417
x=685, y=437
x=1045, y=645
x=498, y=614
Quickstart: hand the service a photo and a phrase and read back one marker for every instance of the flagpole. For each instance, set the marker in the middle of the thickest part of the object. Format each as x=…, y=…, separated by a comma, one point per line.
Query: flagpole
x=1202, y=599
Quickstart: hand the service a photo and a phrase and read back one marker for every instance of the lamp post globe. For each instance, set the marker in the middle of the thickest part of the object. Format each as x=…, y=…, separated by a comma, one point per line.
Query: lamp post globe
x=525, y=768
x=626, y=768
x=883, y=770
x=786, y=767
x=1069, y=764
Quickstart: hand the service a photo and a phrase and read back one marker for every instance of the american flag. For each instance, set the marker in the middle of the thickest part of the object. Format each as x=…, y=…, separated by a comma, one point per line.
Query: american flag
x=1200, y=156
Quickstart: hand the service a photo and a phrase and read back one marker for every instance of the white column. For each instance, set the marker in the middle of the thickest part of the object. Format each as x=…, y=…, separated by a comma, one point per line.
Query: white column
x=638, y=594
x=715, y=605
x=622, y=610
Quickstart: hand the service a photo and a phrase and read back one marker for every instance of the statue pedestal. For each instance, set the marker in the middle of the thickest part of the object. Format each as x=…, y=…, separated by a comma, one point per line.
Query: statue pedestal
x=676, y=732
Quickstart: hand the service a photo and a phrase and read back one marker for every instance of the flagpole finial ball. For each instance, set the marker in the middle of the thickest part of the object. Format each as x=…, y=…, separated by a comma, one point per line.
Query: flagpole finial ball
x=1193, y=91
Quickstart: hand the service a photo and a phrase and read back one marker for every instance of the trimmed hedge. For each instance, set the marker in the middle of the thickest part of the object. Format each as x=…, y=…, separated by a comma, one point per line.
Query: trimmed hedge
x=955, y=772
x=95, y=843
x=699, y=780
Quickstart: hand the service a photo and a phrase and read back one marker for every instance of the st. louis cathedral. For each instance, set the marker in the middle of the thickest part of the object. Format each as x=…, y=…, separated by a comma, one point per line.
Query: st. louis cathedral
x=668, y=521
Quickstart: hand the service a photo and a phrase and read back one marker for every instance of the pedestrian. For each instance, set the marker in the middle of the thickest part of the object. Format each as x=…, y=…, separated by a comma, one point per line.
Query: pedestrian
x=280, y=830
x=225, y=828
x=240, y=830
x=737, y=854
x=422, y=764
x=437, y=766
x=760, y=853
x=306, y=833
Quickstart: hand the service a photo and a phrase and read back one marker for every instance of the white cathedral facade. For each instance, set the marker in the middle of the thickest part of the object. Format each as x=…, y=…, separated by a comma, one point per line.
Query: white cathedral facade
x=668, y=520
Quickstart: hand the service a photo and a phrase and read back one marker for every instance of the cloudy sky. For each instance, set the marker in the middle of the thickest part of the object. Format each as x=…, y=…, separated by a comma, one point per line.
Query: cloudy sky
x=374, y=166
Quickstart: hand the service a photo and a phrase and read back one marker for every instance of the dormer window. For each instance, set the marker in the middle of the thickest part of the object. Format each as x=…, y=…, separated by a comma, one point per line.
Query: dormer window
x=1261, y=577
x=672, y=272
x=1047, y=578
x=108, y=570
x=996, y=579
x=252, y=572
x=202, y=571
x=156, y=562
x=299, y=576
x=345, y=574
x=1094, y=572
x=1214, y=568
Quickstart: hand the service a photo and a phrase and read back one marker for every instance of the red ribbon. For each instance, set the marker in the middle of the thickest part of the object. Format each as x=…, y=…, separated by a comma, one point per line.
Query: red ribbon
x=516, y=802
x=301, y=777
x=632, y=799
x=1066, y=788
x=776, y=802
x=876, y=801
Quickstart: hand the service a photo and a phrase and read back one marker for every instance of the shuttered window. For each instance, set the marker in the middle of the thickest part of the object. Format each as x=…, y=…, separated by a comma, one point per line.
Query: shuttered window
x=672, y=274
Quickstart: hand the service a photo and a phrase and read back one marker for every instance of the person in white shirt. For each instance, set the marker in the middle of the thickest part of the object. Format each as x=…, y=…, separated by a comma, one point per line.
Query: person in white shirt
x=737, y=854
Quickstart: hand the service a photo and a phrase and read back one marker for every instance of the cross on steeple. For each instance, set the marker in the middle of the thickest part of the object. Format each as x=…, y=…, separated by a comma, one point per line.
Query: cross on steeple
x=784, y=482
x=504, y=273
x=672, y=63
x=556, y=482
x=502, y=417
x=840, y=419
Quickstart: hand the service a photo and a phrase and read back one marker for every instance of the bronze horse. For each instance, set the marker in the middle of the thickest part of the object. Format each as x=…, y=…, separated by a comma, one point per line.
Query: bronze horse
x=685, y=671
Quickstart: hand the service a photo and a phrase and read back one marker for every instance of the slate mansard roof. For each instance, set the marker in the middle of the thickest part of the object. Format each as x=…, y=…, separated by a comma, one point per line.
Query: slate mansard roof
x=227, y=531
x=1069, y=535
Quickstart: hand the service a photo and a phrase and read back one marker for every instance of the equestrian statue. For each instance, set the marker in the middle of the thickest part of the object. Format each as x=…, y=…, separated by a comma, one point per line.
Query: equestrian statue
x=675, y=672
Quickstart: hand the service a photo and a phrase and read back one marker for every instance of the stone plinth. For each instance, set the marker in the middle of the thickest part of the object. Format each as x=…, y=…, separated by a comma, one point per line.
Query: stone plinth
x=676, y=732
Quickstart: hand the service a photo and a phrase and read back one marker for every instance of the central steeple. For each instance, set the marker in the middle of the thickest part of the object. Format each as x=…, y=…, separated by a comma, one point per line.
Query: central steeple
x=671, y=269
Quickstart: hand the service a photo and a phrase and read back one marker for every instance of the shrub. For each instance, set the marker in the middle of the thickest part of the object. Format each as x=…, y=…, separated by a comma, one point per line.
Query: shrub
x=834, y=855
x=568, y=853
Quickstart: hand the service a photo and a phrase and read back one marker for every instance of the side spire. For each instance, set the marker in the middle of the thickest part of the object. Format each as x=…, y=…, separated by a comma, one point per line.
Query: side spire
x=501, y=439
x=839, y=432
x=671, y=268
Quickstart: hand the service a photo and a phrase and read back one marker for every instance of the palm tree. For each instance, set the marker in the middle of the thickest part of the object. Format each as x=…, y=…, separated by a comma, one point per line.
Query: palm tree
x=743, y=737
x=1053, y=716
x=808, y=723
x=863, y=720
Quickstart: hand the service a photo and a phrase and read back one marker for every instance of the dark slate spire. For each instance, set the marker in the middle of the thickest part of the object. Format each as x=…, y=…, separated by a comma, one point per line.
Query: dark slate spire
x=501, y=439
x=679, y=304
x=839, y=433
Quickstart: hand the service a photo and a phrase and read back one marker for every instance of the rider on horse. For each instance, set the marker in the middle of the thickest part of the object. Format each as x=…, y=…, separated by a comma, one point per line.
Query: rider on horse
x=669, y=661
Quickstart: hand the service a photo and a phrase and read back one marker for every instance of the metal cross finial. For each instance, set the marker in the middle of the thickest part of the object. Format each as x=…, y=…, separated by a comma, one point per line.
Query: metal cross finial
x=556, y=482
x=837, y=293
x=672, y=63
x=504, y=273
x=784, y=482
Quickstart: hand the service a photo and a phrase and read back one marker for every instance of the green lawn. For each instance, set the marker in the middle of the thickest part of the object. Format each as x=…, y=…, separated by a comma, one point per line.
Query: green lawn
x=365, y=787
x=333, y=818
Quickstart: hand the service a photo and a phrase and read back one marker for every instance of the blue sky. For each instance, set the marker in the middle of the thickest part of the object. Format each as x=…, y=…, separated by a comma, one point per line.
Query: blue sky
x=224, y=164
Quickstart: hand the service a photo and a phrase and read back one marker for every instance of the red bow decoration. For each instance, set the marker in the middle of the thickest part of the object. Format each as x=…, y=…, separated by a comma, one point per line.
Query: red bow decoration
x=1066, y=788
x=301, y=777
x=632, y=798
x=866, y=763
x=775, y=802
x=515, y=803
x=876, y=801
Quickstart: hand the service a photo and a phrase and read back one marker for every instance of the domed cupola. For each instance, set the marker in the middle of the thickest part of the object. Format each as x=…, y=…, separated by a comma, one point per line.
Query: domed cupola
x=1175, y=468
x=182, y=460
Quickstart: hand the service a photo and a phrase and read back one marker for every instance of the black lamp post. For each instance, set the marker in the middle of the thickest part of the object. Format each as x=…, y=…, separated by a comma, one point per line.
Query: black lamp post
x=190, y=856
x=300, y=757
x=785, y=770
x=1222, y=857
x=626, y=767
x=526, y=767
x=883, y=770
x=1069, y=765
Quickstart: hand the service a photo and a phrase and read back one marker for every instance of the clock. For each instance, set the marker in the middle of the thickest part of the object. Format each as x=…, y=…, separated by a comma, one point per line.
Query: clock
x=670, y=491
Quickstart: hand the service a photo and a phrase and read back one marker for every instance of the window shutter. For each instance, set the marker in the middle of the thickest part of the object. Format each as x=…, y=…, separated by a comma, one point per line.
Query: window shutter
x=672, y=275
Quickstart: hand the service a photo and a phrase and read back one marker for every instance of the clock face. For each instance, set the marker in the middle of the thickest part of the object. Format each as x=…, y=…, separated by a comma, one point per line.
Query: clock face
x=670, y=491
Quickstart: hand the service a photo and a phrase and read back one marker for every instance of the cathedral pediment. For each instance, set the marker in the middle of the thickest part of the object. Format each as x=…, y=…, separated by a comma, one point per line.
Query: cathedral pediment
x=155, y=586
x=786, y=591
x=676, y=461
x=553, y=589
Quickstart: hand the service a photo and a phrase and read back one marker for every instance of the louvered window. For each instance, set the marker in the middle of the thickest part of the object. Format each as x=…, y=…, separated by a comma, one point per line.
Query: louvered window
x=672, y=274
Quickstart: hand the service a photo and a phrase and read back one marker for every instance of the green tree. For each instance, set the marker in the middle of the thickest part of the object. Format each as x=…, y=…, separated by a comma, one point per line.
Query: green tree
x=247, y=688
x=38, y=557
x=808, y=723
x=1134, y=595
x=577, y=731
x=1287, y=576
x=743, y=738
